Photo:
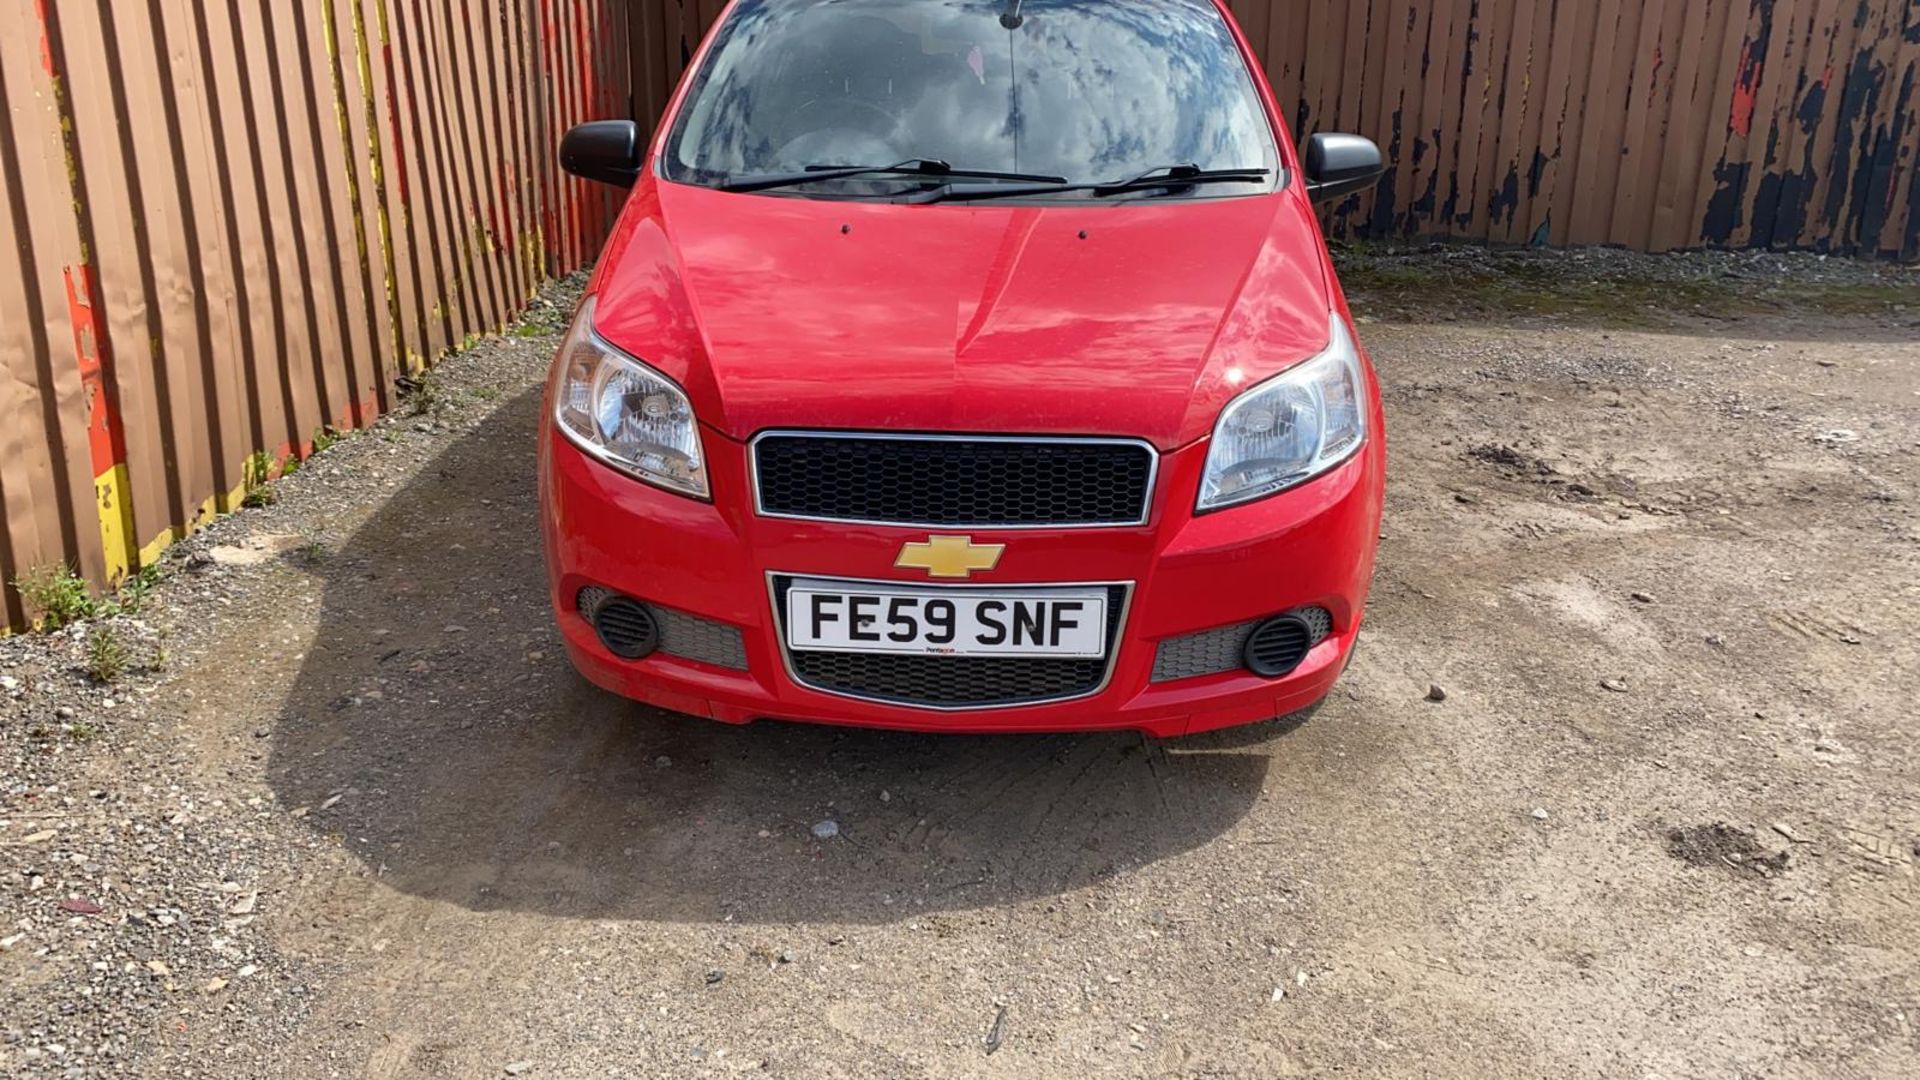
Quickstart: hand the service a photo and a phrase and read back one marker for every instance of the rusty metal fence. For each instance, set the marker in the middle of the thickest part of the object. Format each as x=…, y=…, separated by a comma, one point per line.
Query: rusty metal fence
x=1652, y=124
x=233, y=223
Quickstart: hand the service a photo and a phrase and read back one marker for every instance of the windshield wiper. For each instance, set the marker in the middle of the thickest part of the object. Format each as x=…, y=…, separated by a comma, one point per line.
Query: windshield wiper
x=1178, y=175
x=910, y=167
x=1166, y=176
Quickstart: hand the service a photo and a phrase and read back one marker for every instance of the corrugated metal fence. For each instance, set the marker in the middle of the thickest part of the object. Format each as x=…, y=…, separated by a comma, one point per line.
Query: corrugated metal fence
x=1653, y=124
x=233, y=224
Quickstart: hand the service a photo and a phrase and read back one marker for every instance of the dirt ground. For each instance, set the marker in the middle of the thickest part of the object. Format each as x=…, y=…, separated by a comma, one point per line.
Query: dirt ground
x=1663, y=823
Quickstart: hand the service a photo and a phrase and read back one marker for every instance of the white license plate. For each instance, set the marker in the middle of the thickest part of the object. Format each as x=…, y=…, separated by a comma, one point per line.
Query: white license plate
x=839, y=616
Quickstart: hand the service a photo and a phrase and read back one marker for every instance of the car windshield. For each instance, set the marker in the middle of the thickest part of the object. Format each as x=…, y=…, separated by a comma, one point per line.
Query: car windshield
x=1089, y=91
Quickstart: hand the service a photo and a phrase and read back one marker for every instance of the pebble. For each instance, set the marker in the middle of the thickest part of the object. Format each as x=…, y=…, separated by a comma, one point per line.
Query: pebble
x=1540, y=813
x=517, y=1068
x=714, y=975
x=663, y=762
x=1435, y=692
x=1641, y=597
x=826, y=830
x=1618, y=686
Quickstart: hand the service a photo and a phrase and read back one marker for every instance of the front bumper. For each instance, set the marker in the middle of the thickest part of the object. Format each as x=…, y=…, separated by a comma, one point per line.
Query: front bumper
x=1313, y=545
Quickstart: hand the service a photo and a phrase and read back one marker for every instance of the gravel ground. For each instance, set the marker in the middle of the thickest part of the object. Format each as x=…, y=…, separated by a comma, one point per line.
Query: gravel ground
x=348, y=812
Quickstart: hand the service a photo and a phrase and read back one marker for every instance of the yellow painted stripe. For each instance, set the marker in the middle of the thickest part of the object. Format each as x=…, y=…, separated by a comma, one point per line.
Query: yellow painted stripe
x=116, y=520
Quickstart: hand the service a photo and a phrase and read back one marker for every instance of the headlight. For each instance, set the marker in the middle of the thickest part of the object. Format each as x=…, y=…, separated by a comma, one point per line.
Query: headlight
x=1294, y=426
x=625, y=413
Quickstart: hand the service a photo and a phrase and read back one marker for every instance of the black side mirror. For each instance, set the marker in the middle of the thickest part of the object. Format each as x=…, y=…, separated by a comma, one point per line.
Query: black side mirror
x=603, y=150
x=1339, y=165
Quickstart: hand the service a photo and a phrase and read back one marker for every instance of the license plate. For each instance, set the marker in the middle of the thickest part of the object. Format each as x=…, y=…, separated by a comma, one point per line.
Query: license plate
x=837, y=616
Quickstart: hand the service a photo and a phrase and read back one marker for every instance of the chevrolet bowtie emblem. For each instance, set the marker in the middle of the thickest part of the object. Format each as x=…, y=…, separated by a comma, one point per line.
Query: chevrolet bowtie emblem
x=949, y=556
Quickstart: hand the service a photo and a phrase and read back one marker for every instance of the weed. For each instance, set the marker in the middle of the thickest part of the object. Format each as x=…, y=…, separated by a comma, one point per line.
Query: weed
x=423, y=393
x=257, y=474
x=529, y=329
x=288, y=466
x=58, y=594
x=106, y=654
x=327, y=436
x=132, y=593
x=83, y=732
x=487, y=393
x=257, y=469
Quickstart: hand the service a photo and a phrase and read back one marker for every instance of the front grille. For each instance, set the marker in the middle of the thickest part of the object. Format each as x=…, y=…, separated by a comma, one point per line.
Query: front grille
x=1226, y=648
x=956, y=481
x=952, y=682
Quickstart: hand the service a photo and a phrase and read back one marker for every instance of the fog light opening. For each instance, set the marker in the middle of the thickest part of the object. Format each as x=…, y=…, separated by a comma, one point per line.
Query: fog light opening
x=625, y=626
x=1278, y=645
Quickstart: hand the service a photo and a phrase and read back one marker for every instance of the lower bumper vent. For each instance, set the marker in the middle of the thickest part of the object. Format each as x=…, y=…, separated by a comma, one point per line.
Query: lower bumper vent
x=1268, y=647
x=633, y=630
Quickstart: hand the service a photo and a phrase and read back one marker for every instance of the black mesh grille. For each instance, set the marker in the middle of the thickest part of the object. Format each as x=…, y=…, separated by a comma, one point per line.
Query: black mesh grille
x=1226, y=648
x=957, y=481
x=952, y=681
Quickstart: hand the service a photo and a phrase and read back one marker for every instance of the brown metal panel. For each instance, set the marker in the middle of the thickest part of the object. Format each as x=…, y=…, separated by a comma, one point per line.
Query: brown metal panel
x=305, y=334
x=1396, y=19
x=1683, y=152
x=466, y=71
x=244, y=256
x=1740, y=140
x=1899, y=234
x=354, y=144
x=1647, y=88
x=371, y=110
x=46, y=508
x=111, y=194
x=1861, y=169
x=505, y=210
x=336, y=318
x=448, y=228
x=1422, y=198
x=1505, y=163
x=1550, y=197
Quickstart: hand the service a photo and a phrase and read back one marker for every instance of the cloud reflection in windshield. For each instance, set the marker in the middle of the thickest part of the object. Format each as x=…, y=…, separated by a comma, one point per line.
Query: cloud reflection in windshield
x=1086, y=91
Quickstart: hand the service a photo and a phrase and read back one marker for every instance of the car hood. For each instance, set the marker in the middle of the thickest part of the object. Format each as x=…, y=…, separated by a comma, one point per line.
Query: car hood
x=1136, y=320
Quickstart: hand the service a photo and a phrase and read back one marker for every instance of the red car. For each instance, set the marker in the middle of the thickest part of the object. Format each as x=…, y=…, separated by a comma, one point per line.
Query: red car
x=965, y=366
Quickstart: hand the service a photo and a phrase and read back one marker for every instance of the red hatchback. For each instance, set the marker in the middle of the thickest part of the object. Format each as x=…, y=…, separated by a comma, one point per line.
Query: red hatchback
x=972, y=365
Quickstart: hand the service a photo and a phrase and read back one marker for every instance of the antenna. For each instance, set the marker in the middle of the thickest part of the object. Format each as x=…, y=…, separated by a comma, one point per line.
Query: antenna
x=1011, y=18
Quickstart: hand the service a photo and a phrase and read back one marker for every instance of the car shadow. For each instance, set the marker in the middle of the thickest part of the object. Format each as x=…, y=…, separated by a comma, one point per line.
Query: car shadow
x=437, y=727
